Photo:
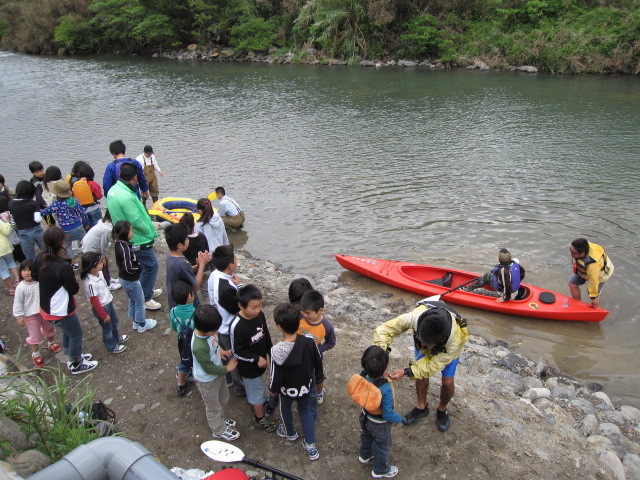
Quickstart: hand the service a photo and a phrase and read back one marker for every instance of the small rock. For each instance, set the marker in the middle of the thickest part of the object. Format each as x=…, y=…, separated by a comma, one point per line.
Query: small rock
x=631, y=463
x=607, y=429
x=138, y=407
x=29, y=462
x=595, y=387
x=600, y=442
x=588, y=425
x=564, y=392
x=108, y=401
x=155, y=405
x=630, y=414
x=614, y=464
x=11, y=432
x=367, y=63
x=612, y=416
x=533, y=382
x=554, y=412
x=528, y=69
x=585, y=406
x=604, y=398
x=535, y=393
x=167, y=331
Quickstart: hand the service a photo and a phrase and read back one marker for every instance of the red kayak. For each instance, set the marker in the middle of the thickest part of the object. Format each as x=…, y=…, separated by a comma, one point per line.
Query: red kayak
x=428, y=280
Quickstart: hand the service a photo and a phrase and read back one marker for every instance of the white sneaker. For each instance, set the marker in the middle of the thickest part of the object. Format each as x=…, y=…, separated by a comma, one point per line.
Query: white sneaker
x=115, y=280
x=114, y=286
x=83, y=367
x=152, y=305
x=393, y=471
x=119, y=349
x=156, y=293
x=123, y=338
x=148, y=325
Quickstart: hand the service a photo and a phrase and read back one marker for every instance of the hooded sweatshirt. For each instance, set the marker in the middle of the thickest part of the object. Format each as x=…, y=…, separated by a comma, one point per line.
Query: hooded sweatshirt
x=293, y=365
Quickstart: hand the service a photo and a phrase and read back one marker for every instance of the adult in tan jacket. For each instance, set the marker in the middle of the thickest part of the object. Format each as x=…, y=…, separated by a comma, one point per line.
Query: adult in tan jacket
x=439, y=335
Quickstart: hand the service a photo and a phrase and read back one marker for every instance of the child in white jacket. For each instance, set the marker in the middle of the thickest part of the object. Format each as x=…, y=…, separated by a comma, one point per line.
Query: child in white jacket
x=97, y=240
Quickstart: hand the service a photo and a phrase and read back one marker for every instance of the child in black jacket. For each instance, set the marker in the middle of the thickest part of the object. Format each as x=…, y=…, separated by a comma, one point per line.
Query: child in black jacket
x=293, y=363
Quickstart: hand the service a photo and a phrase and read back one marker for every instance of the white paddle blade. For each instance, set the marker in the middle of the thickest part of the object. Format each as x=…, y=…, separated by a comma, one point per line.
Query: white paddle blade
x=433, y=298
x=222, y=451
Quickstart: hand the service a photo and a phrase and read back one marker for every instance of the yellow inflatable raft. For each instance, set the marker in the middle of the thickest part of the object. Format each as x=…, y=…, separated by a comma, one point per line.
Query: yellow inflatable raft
x=172, y=209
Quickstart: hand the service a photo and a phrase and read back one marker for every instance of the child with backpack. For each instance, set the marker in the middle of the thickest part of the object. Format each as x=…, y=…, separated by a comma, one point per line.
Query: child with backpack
x=295, y=362
x=181, y=321
x=373, y=392
x=209, y=371
x=129, y=272
x=101, y=301
x=26, y=309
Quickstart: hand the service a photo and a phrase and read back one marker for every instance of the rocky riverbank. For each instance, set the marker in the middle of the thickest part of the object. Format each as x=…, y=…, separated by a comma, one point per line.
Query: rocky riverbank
x=511, y=417
x=312, y=56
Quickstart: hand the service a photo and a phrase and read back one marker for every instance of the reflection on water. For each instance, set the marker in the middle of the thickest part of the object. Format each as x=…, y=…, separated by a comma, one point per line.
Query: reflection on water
x=435, y=167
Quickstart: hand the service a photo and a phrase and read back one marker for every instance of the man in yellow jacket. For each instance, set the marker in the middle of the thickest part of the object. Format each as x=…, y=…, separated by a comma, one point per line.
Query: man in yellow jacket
x=439, y=335
x=590, y=264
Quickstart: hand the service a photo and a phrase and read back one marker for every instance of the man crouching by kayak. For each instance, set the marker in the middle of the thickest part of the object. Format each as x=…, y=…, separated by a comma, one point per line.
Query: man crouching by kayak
x=439, y=335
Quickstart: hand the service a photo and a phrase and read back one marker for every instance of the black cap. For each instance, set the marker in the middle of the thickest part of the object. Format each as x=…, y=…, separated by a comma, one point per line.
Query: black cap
x=148, y=149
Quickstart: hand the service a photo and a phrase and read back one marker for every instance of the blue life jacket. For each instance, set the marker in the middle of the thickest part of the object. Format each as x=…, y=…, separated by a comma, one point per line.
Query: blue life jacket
x=514, y=268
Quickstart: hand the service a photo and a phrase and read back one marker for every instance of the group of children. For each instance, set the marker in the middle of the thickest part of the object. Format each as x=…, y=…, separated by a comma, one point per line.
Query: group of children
x=231, y=336
x=224, y=343
x=231, y=344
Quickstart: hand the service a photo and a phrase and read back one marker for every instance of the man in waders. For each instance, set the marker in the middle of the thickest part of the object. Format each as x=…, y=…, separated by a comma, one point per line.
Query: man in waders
x=150, y=166
x=439, y=334
x=590, y=264
x=231, y=213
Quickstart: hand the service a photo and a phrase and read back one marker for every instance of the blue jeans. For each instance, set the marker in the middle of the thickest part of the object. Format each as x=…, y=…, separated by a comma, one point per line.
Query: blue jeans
x=304, y=411
x=136, y=300
x=28, y=238
x=70, y=236
x=6, y=264
x=110, y=334
x=71, y=336
x=375, y=441
x=94, y=217
x=149, y=272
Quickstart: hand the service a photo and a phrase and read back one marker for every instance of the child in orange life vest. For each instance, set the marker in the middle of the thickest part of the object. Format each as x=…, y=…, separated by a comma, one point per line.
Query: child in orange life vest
x=375, y=424
x=320, y=328
x=88, y=193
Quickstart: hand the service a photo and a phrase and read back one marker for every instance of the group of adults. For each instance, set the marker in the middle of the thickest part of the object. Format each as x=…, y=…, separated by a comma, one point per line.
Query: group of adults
x=439, y=332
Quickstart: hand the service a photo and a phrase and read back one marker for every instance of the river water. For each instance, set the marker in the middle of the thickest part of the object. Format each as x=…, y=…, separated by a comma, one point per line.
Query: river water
x=436, y=167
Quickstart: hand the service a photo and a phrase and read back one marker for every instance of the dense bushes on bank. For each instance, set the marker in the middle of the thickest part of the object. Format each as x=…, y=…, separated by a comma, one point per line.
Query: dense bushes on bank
x=581, y=36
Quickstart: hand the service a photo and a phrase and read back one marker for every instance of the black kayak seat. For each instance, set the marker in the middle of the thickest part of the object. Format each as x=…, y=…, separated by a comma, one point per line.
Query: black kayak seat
x=442, y=282
x=547, y=297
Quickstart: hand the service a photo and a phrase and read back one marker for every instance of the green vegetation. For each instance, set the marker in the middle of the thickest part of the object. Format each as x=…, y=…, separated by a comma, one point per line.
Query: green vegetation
x=48, y=407
x=563, y=36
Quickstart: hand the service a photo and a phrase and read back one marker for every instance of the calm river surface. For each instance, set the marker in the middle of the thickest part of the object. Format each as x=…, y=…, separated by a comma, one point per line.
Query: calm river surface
x=437, y=167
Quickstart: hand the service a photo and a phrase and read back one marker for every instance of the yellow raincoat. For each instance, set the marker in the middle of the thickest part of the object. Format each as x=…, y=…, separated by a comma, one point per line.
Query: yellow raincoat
x=429, y=364
x=595, y=268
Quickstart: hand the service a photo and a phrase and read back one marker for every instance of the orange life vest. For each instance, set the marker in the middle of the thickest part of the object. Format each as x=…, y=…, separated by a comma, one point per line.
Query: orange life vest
x=367, y=394
x=82, y=191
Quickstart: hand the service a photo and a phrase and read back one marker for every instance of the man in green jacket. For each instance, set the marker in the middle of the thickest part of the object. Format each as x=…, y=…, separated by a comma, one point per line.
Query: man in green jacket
x=123, y=204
